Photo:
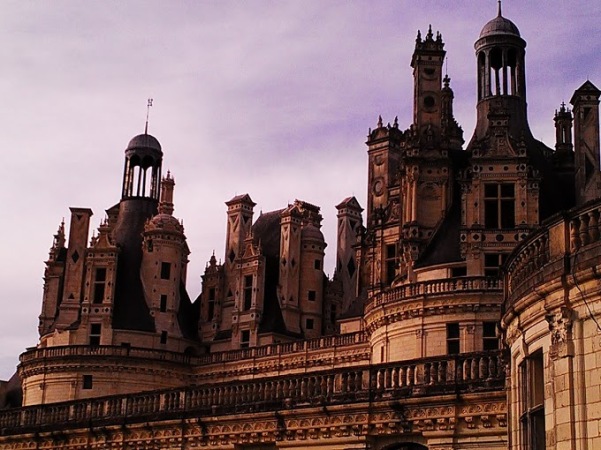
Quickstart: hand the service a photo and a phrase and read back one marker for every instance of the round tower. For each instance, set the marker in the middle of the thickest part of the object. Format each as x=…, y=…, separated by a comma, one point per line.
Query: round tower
x=311, y=280
x=164, y=262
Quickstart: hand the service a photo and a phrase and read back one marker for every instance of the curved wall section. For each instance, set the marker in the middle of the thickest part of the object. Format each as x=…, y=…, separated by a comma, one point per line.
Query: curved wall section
x=411, y=321
x=551, y=324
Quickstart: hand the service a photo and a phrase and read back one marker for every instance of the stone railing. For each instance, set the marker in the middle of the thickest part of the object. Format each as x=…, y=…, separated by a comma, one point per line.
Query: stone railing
x=544, y=254
x=433, y=376
x=434, y=287
x=180, y=358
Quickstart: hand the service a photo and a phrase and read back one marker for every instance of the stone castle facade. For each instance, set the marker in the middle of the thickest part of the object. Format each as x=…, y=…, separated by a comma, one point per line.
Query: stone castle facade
x=463, y=313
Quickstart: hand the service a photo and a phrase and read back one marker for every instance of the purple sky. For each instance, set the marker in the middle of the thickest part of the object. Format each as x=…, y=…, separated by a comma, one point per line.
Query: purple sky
x=273, y=98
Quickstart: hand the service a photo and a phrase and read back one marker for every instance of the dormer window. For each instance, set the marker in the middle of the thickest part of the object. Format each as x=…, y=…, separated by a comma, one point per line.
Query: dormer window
x=248, y=292
x=99, y=284
x=499, y=205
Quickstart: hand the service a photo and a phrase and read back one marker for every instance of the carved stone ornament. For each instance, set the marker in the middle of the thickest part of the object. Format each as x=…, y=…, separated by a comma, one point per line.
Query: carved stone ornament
x=513, y=332
x=560, y=326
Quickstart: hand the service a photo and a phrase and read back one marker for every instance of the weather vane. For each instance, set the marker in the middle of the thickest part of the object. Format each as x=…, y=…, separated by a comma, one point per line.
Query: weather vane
x=148, y=105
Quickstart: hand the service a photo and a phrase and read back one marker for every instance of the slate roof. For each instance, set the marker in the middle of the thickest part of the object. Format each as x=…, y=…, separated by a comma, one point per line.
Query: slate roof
x=266, y=233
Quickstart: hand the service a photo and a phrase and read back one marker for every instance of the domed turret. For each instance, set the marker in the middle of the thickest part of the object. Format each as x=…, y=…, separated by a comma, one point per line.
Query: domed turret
x=499, y=25
x=144, y=141
x=311, y=232
x=142, y=153
x=501, y=77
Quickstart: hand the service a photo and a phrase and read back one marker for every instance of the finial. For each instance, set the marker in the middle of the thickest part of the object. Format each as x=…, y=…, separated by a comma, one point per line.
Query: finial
x=419, y=36
x=429, y=35
x=446, y=80
x=499, y=14
x=396, y=121
x=380, y=124
x=148, y=105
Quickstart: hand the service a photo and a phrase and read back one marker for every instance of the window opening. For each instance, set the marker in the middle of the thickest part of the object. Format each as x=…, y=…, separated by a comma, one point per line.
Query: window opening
x=453, y=346
x=88, y=381
x=490, y=341
x=245, y=339
x=165, y=271
x=211, y=304
x=95, y=332
x=99, y=284
x=248, y=292
x=390, y=262
x=532, y=409
x=499, y=206
x=493, y=263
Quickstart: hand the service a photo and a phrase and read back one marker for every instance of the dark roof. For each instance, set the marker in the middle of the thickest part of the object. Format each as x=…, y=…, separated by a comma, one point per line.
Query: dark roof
x=272, y=319
x=188, y=314
x=266, y=232
x=349, y=202
x=14, y=393
x=222, y=335
x=444, y=245
x=586, y=88
x=145, y=141
x=131, y=310
x=243, y=198
x=499, y=25
x=357, y=307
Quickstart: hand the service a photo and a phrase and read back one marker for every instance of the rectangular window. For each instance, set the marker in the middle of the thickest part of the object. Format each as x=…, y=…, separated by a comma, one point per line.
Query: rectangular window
x=489, y=336
x=458, y=271
x=390, y=263
x=532, y=411
x=245, y=339
x=211, y=304
x=453, y=346
x=99, y=284
x=309, y=324
x=165, y=271
x=312, y=295
x=333, y=314
x=317, y=264
x=499, y=205
x=163, y=305
x=88, y=381
x=248, y=292
x=163, y=337
x=493, y=263
x=95, y=332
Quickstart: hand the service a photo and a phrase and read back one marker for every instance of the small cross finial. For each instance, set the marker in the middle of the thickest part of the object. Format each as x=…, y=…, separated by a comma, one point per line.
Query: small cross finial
x=148, y=105
x=499, y=14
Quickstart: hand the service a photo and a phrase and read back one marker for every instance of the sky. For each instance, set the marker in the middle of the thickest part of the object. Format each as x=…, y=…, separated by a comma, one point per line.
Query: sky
x=269, y=98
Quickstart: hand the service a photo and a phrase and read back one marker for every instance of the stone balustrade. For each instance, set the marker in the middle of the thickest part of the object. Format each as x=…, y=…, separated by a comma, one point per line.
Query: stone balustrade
x=545, y=254
x=434, y=287
x=423, y=377
x=181, y=358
